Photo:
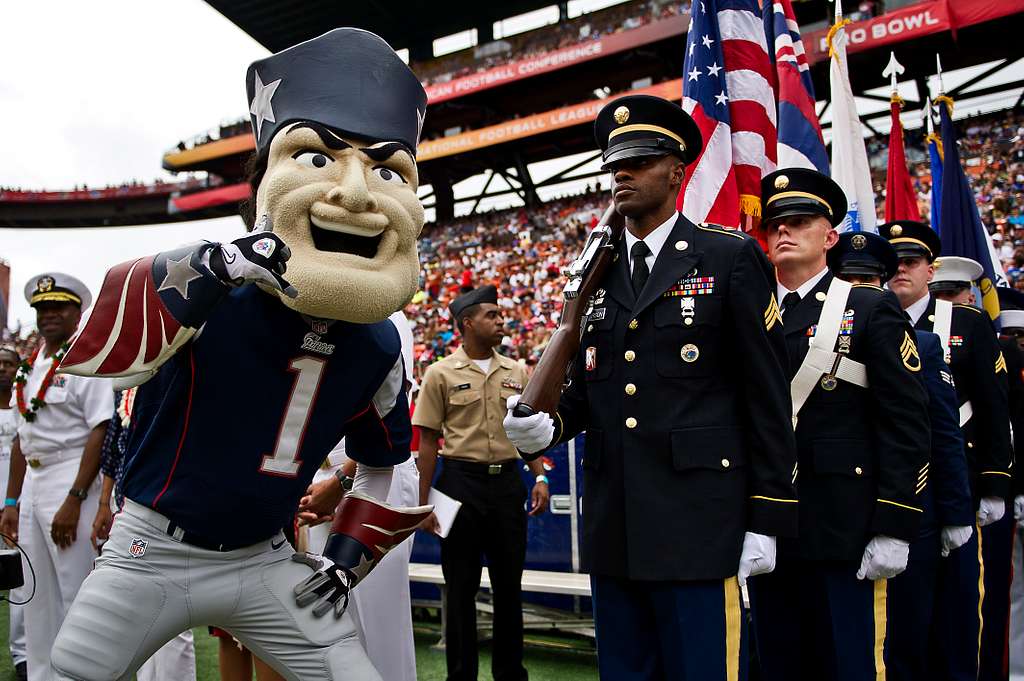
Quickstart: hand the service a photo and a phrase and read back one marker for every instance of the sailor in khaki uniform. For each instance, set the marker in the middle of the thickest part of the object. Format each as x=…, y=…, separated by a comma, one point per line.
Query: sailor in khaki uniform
x=61, y=423
x=463, y=399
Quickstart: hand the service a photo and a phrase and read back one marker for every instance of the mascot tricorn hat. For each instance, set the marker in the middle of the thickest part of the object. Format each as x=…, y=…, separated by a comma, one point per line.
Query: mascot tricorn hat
x=374, y=96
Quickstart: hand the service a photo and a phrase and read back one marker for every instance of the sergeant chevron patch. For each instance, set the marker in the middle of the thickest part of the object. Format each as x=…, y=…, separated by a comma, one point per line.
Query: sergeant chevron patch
x=1000, y=363
x=772, y=313
x=908, y=351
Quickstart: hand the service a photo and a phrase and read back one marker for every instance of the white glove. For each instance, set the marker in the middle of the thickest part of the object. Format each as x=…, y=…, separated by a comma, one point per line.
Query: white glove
x=1018, y=509
x=990, y=510
x=884, y=558
x=954, y=536
x=757, y=558
x=529, y=434
x=257, y=258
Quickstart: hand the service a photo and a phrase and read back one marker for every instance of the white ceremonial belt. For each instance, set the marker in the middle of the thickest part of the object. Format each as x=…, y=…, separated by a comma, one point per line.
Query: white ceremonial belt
x=50, y=458
x=966, y=412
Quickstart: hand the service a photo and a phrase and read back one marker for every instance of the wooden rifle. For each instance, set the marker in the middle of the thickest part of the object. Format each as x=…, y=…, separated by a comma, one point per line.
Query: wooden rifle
x=584, y=275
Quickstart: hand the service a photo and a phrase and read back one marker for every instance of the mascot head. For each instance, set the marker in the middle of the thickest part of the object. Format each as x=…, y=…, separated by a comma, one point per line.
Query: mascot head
x=337, y=120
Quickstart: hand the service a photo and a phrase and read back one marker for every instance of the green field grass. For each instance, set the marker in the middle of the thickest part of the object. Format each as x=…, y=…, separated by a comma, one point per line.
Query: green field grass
x=548, y=658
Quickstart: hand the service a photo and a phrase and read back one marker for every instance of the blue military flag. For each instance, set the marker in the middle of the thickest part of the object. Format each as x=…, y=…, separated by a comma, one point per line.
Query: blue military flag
x=959, y=222
x=935, y=157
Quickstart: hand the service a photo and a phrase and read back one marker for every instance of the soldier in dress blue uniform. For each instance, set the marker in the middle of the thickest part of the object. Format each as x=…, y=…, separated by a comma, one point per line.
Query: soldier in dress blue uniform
x=681, y=385
x=979, y=372
x=862, y=437
x=947, y=521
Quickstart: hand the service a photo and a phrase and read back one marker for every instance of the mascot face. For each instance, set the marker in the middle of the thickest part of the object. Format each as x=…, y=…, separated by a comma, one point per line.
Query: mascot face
x=348, y=211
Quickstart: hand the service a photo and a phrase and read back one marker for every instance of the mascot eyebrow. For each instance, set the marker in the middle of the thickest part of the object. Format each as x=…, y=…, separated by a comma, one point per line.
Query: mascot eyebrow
x=332, y=141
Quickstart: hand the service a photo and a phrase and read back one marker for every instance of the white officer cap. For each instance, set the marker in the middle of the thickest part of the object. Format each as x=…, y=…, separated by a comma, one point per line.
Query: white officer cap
x=953, y=272
x=57, y=287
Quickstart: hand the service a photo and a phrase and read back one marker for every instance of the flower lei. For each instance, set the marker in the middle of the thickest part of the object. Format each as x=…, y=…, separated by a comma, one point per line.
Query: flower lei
x=28, y=412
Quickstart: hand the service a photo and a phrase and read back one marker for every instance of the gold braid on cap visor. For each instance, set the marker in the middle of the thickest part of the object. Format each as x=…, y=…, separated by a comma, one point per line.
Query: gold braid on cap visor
x=908, y=240
x=56, y=296
x=643, y=127
x=800, y=195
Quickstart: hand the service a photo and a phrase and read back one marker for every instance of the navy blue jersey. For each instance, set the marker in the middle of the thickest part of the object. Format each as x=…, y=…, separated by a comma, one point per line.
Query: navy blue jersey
x=227, y=435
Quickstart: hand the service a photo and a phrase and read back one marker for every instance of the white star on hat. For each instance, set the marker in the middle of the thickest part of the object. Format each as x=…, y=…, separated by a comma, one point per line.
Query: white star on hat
x=261, y=107
x=420, y=117
x=179, y=274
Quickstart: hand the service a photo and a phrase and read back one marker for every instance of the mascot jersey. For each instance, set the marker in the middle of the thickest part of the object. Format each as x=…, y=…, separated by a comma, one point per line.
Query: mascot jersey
x=246, y=396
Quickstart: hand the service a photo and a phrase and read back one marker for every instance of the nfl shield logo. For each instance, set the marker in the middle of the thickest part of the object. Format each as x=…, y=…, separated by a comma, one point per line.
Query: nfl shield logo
x=319, y=326
x=138, y=548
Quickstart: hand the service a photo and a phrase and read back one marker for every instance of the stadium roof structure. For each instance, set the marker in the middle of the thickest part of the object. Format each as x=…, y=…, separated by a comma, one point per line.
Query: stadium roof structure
x=504, y=119
x=411, y=24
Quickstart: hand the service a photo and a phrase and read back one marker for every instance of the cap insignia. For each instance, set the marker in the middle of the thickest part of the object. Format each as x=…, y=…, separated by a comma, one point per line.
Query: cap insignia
x=781, y=182
x=896, y=230
x=44, y=284
x=859, y=241
x=621, y=115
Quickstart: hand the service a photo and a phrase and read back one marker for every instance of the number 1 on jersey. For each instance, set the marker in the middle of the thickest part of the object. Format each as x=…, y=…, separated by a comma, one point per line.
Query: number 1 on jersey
x=285, y=460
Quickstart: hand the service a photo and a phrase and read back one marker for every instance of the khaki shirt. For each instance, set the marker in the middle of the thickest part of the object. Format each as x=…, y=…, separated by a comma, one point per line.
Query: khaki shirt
x=468, y=407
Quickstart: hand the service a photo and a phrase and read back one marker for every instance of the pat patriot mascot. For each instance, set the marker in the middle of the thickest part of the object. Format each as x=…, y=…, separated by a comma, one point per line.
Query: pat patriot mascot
x=255, y=358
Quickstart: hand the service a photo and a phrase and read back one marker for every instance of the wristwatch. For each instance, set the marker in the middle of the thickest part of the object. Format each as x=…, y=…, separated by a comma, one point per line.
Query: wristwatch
x=345, y=480
x=77, y=492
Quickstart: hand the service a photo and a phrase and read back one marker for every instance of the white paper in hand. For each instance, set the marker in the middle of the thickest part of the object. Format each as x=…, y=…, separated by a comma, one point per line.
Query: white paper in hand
x=445, y=508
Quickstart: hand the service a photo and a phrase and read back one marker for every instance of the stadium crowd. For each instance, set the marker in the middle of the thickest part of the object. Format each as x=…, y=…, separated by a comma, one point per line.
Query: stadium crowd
x=591, y=26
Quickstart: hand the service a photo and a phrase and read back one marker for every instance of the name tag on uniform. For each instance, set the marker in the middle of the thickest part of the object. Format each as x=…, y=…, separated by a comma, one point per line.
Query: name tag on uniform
x=464, y=386
x=597, y=315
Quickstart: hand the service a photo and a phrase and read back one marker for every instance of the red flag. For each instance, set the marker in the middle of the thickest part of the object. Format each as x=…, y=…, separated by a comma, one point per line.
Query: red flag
x=900, y=200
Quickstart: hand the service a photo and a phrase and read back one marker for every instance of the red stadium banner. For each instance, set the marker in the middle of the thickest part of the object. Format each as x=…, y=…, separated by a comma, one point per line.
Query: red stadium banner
x=212, y=197
x=903, y=24
x=537, y=124
x=557, y=59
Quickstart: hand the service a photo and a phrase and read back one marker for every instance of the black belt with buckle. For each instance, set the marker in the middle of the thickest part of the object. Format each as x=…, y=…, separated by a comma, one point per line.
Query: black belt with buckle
x=481, y=468
x=192, y=539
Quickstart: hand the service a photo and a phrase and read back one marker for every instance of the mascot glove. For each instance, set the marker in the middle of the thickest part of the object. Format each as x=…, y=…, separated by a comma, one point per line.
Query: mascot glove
x=757, y=558
x=1018, y=509
x=257, y=258
x=328, y=587
x=954, y=537
x=529, y=434
x=884, y=558
x=990, y=510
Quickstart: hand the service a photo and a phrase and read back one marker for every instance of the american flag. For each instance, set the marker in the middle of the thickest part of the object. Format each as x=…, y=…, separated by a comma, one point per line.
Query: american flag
x=800, y=141
x=727, y=89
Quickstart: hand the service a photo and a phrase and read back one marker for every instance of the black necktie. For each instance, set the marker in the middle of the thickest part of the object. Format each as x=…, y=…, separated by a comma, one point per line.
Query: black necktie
x=641, y=272
x=789, y=302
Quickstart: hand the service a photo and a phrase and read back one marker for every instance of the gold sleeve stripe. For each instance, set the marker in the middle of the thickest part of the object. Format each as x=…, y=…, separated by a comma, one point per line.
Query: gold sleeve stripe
x=894, y=503
x=772, y=314
x=781, y=501
x=1000, y=363
x=996, y=473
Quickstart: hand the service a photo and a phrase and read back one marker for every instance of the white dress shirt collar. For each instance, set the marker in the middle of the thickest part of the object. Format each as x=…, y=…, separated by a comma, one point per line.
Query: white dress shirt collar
x=917, y=308
x=803, y=289
x=655, y=240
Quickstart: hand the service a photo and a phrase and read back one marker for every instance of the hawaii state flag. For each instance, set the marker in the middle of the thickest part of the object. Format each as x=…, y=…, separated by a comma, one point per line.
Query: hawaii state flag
x=727, y=90
x=800, y=141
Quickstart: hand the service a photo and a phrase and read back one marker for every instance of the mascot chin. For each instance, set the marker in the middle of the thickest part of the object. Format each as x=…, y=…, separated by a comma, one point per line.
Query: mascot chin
x=254, y=358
